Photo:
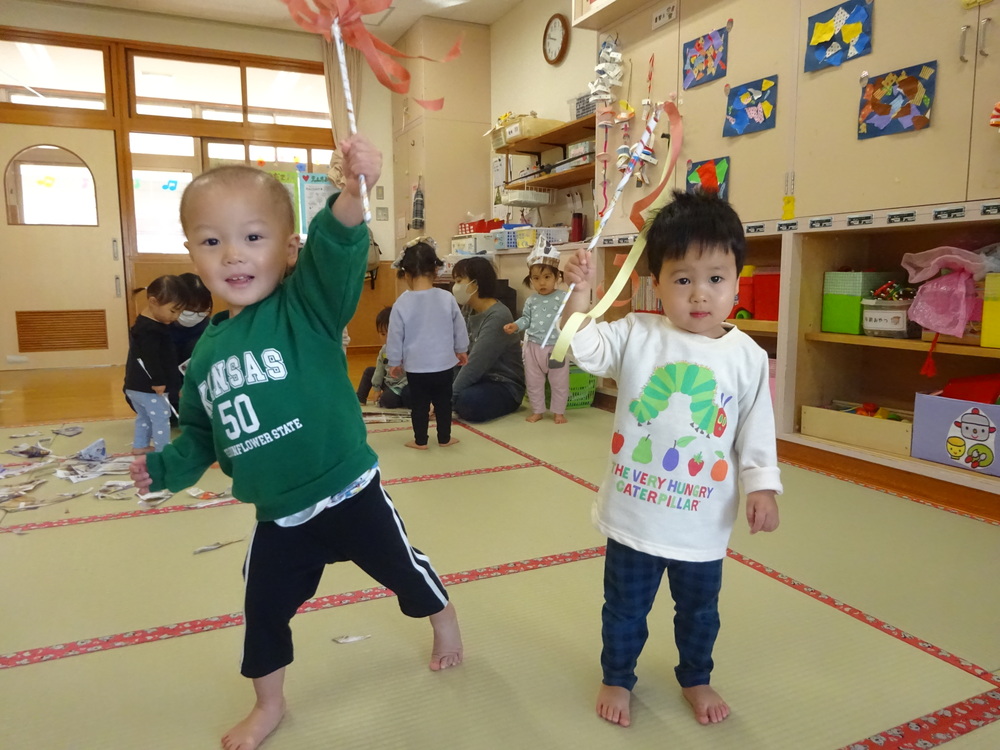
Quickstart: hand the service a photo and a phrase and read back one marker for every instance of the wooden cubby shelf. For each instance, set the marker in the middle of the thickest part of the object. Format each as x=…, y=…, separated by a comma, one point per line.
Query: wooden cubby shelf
x=916, y=345
x=558, y=180
x=571, y=132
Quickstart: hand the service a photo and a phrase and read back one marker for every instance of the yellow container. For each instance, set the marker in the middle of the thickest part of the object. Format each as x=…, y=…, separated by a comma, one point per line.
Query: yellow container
x=887, y=435
x=991, y=312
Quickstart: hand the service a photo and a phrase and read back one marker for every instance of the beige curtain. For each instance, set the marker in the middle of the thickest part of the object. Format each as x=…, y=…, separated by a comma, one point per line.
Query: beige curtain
x=335, y=96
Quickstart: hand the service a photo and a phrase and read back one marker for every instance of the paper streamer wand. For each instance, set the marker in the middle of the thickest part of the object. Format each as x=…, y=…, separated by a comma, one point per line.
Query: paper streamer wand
x=656, y=200
x=338, y=39
x=630, y=167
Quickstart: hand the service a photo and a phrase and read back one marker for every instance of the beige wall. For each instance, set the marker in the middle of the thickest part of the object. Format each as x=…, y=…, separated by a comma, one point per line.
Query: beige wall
x=521, y=81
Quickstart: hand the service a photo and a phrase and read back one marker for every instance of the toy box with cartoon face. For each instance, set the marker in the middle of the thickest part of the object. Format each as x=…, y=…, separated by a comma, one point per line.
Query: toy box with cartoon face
x=956, y=433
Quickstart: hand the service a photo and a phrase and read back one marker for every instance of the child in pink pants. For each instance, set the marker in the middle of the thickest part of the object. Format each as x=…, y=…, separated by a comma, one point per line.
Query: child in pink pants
x=536, y=319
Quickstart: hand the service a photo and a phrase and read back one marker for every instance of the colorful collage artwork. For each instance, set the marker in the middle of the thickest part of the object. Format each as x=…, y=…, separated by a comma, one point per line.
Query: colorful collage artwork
x=897, y=102
x=751, y=107
x=705, y=58
x=838, y=34
x=711, y=176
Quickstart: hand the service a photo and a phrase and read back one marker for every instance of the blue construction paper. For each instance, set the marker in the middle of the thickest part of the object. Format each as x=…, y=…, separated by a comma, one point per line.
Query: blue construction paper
x=899, y=101
x=705, y=58
x=743, y=118
x=857, y=11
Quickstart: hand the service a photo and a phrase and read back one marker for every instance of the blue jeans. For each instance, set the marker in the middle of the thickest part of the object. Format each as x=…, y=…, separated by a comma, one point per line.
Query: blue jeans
x=152, y=420
x=484, y=401
x=631, y=580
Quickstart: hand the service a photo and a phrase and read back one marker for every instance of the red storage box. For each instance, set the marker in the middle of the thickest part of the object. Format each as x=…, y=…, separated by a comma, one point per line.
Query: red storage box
x=765, y=295
x=746, y=301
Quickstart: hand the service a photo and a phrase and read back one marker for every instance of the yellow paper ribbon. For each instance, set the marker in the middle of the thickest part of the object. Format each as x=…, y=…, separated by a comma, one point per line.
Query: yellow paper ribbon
x=655, y=201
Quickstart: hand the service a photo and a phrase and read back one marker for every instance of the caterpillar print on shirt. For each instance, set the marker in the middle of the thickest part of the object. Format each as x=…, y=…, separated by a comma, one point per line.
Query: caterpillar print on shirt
x=692, y=380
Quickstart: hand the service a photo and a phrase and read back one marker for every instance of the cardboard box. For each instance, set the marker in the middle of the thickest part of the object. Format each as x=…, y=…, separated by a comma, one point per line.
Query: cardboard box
x=957, y=433
x=842, y=295
x=886, y=435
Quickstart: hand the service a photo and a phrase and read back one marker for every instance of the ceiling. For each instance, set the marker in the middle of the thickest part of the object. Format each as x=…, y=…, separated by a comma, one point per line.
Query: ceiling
x=388, y=25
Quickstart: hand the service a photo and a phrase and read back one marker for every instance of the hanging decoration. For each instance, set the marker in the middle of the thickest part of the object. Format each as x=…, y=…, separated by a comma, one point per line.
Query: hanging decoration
x=897, y=102
x=610, y=71
x=318, y=16
x=841, y=33
x=705, y=57
x=751, y=107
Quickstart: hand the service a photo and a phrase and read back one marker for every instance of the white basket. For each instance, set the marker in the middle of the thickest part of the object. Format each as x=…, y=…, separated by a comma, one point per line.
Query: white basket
x=555, y=235
x=526, y=197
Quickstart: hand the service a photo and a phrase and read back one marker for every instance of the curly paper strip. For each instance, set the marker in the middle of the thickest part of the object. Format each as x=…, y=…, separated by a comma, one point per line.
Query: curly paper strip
x=656, y=199
x=389, y=72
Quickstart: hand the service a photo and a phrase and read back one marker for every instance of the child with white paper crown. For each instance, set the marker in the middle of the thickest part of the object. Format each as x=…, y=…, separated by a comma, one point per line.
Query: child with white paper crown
x=536, y=320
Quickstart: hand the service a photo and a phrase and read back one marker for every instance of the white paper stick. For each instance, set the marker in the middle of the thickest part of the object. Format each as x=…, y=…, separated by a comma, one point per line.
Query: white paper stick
x=629, y=169
x=351, y=123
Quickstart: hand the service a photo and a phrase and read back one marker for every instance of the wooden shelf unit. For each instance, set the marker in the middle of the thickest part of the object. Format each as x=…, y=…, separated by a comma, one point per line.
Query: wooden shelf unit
x=915, y=345
x=599, y=14
x=578, y=130
x=558, y=180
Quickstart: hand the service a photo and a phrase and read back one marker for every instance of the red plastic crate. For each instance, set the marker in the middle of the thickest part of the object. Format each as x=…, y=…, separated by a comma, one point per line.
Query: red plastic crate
x=765, y=295
x=481, y=226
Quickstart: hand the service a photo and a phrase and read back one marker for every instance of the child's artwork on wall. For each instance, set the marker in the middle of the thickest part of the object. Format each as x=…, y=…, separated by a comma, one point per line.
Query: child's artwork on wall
x=838, y=34
x=711, y=175
x=897, y=102
x=705, y=58
x=751, y=107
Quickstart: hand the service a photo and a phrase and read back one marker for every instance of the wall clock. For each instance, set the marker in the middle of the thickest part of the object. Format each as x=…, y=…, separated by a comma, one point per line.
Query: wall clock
x=555, y=41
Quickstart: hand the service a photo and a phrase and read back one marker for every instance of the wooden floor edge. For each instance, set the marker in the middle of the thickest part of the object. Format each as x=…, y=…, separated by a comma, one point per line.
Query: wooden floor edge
x=917, y=486
x=928, y=489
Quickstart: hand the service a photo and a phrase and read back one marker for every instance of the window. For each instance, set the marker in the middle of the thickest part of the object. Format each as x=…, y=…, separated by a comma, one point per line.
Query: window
x=157, y=210
x=222, y=152
x=52, y=76
x=179, y=88
x=50, y=185
x=286, y=97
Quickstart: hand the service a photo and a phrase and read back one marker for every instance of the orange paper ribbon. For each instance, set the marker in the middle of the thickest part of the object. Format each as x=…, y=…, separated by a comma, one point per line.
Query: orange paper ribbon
x=317, y=16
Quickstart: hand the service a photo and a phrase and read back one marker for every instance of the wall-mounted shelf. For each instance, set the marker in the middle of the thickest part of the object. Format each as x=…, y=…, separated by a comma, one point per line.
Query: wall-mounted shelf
x=577, y=130
x=600, y=14
x=749, y=325
x=916, y=345
x=558, y=180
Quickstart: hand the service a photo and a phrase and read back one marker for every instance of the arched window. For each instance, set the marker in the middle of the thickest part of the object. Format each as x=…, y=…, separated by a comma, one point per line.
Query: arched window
x=49, y=185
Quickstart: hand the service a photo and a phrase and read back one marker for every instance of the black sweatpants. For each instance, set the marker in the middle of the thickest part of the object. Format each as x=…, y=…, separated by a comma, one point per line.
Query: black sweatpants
x=428, y=388
x=284, y=565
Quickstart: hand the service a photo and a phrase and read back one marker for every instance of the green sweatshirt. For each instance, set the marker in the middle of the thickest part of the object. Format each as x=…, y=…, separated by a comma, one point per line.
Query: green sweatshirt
x=267, y=393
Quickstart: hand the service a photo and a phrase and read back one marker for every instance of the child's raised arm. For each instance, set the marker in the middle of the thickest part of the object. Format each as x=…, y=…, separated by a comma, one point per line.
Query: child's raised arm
x=581, y=273
x=360, y=158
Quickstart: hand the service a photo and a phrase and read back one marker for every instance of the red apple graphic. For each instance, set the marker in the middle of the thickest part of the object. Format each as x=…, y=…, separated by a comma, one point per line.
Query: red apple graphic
x=617, y=441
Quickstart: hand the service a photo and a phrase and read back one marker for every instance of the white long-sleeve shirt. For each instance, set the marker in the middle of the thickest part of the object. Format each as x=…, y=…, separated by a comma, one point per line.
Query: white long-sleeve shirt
x=694, y=417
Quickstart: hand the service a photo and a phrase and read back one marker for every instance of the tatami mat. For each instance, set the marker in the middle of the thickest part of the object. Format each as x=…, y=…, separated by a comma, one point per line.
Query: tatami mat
x=798, y=673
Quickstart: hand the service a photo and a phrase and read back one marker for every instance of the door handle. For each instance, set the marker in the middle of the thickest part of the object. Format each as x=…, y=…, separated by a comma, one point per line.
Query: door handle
x=114, y=249
x=118, y=286
x=982, y=37
x=961, y=45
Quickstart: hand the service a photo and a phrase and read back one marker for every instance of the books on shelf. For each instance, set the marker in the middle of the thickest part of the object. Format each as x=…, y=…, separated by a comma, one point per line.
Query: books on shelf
x=644, y=298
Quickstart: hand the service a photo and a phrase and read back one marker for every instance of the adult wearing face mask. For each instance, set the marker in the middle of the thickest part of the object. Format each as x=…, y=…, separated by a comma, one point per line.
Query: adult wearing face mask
x=492, y=383
x=194, y=320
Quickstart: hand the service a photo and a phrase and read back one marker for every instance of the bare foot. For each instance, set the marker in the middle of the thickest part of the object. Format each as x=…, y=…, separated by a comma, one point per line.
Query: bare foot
x=559, y=419
x=413, y=444
x=534, y=418
x=447, y=649
x=708, y=706
x=449, y=443
x=613, y=704
x=255, y=728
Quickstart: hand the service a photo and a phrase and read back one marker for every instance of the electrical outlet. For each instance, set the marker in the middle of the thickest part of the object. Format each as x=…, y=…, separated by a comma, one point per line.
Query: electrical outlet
x=664, y=15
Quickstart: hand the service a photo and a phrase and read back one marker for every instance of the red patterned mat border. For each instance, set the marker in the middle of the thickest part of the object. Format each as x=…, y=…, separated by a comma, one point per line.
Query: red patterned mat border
x=934, y=729
x=25, y=527
x=857, y=614
x=166, y=632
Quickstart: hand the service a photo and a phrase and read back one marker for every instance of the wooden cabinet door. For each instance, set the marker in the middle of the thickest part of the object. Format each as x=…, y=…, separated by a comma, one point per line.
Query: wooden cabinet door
x=836, y=172
x=762, y=43
x=984, y=165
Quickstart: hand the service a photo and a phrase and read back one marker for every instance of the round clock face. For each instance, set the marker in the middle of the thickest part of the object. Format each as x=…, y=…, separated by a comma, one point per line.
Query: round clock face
x=556, y=39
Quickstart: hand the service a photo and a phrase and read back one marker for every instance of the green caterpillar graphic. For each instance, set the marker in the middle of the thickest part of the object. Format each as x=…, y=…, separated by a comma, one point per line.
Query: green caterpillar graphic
x=690, y=379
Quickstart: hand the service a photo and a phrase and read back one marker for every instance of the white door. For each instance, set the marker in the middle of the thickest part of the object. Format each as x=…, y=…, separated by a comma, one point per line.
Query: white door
x=62, y=287
x=984, y=166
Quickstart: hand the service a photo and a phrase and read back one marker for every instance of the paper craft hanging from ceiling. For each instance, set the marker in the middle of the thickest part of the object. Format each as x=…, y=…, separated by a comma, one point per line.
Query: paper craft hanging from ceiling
x=897, y=102
x=711, y=175
x=841, y=33
x=705, y=58
x=751, y=107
